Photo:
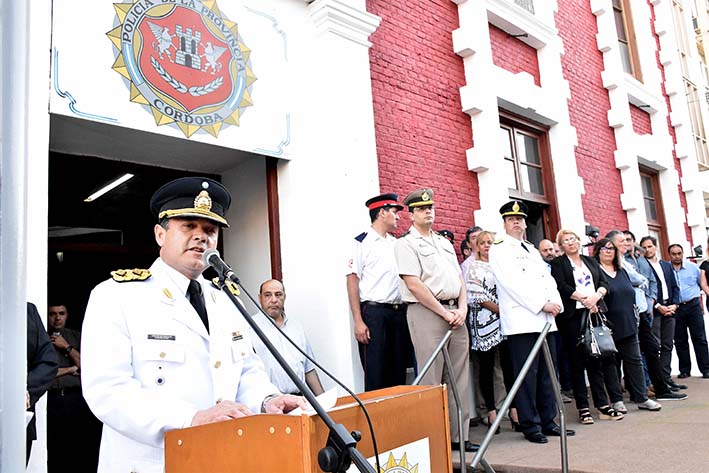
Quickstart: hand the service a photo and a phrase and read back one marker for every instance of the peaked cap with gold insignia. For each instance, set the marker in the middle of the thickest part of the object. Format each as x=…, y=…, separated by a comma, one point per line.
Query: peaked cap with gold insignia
x=514, y=207
x=419, y=198
x=192, y=197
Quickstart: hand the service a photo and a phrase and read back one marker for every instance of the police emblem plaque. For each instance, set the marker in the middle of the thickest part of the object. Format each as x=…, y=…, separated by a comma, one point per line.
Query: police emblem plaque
x=185, y=61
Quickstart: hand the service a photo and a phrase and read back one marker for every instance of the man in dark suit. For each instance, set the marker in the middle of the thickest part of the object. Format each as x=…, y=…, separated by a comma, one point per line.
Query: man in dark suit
x=663, y=325
x=41, y=366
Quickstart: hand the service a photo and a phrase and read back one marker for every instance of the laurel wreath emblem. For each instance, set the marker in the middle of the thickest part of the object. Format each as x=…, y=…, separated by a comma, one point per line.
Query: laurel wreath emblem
x=195, y=91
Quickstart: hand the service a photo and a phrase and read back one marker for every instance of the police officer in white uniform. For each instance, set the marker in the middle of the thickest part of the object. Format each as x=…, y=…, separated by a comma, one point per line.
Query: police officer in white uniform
x=163, y=348
x=375, y=300
x=528, y=299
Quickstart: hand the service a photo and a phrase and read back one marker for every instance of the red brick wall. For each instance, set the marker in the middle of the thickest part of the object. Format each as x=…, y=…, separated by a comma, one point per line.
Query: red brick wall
x=512, y=54
x=582, y=64
x=641, y=120
x=670, y=128
x=421, y=132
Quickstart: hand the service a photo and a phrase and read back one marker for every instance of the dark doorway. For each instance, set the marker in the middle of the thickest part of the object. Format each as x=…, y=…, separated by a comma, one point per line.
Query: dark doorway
x=88, y=240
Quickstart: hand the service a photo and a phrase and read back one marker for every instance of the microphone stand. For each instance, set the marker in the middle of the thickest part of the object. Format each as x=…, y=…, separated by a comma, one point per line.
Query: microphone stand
x=341, y=447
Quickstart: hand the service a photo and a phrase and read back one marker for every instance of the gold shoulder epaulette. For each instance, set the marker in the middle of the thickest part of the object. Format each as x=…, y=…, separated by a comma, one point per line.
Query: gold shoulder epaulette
x=126, y=275
x=497, y=242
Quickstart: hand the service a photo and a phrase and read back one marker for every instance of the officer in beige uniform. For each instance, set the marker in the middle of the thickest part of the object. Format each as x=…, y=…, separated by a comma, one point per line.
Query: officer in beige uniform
x=434, y=288
x=164, y=349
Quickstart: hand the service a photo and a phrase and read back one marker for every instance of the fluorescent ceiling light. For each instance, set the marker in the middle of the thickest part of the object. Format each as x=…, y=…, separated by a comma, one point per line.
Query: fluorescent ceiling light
x=108, y=187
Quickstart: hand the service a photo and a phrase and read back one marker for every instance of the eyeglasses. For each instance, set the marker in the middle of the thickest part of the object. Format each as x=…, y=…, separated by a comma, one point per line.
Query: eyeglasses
x=607, y=248
x=569, y=240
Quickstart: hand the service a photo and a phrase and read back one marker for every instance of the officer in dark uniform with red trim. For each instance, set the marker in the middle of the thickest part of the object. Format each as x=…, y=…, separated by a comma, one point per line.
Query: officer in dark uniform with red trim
x=373, y=288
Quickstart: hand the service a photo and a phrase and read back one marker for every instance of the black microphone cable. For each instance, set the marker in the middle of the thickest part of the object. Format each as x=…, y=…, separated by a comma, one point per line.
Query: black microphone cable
x=226, y=272
x=330, y=375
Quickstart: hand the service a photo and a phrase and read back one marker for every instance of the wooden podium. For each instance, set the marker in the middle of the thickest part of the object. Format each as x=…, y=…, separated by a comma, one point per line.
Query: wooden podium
x=283, y=443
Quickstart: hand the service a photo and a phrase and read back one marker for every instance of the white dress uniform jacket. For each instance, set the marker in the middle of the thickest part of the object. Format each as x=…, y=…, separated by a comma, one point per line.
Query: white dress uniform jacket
x=524, y=285
x=148, y=364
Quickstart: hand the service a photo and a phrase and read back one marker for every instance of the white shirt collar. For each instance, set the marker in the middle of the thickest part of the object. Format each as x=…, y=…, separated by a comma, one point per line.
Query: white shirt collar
x=178, y=279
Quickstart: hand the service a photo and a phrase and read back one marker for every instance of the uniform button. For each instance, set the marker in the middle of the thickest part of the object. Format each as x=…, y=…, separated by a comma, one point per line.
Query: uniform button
x=159, y=380
x=163, y=354
x=217, y=364
x=243, y=353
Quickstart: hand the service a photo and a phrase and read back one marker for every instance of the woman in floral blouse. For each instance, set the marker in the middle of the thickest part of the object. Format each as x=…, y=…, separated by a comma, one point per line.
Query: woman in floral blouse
x=485, y=334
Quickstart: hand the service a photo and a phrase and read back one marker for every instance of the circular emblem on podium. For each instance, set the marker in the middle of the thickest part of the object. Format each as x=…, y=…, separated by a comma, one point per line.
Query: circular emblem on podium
x=185, y=61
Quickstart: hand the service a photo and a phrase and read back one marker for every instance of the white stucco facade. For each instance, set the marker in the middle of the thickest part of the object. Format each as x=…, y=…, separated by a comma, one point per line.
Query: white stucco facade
x=490, y=88
x=312, y=109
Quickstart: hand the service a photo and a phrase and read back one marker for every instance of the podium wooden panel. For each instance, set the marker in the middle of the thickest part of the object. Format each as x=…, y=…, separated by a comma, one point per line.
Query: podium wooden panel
x=283, y=443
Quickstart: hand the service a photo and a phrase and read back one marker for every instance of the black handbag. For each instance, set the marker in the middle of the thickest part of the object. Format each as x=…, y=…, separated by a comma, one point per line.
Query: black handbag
x=596, y=339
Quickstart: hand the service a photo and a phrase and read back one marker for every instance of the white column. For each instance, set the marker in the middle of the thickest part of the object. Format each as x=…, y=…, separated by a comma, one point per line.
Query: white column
x=14, y=35
x=334, y=170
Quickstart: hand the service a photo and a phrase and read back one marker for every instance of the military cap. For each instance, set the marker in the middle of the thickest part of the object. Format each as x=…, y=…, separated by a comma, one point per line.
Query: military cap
x=419, y=198
x=514, y=207
x=384, y=200
x=447, y=234
x=192, y=197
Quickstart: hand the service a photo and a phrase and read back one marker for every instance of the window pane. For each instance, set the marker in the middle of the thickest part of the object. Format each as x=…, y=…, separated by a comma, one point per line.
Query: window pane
x=531, y=179
x=625, y=57
x=651, y=210
x=510, y=177
x=506, y=140
x=527, y=149
x=620, y=26
x=647, y=186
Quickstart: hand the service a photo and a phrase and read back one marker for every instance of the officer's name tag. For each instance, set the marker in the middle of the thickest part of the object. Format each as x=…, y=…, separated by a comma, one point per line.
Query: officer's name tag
x=155, y=336
x=236, y=336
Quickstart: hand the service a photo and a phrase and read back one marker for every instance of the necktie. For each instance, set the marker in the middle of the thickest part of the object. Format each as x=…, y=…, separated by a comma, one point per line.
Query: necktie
x=194, y=291
x=524, y=247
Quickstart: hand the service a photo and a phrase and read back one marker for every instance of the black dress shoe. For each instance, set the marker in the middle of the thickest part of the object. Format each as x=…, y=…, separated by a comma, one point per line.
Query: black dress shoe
x=556, y=432
x=469, y=446
x=683, y=375
x=536, y=437
x=705, y=375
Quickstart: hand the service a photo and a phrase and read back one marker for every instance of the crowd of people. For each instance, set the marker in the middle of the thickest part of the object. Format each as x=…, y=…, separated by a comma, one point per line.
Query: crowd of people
x=509, y=290
x=194, y=361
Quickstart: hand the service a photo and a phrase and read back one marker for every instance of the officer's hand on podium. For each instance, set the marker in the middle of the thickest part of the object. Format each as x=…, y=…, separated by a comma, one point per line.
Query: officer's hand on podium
x=283, y=403
x=223, y=410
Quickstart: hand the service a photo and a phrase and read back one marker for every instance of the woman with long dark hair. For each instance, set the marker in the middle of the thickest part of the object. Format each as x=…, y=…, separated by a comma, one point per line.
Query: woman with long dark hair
x=620, y=302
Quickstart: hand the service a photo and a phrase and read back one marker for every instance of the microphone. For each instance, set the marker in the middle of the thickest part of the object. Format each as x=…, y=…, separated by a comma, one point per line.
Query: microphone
x=211, y=258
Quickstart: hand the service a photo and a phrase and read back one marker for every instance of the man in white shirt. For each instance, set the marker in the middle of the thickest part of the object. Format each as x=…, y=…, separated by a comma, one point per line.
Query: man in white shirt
x=380, y=326
x=272, y=297
x=663, y=324
x=471, y=238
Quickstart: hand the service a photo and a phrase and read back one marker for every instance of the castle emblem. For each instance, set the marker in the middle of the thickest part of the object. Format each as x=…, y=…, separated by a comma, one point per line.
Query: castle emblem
x=183, y=60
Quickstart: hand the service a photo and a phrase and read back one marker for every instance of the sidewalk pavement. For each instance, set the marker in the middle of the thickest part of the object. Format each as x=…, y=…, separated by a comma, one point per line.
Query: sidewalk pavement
x=674, y=439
